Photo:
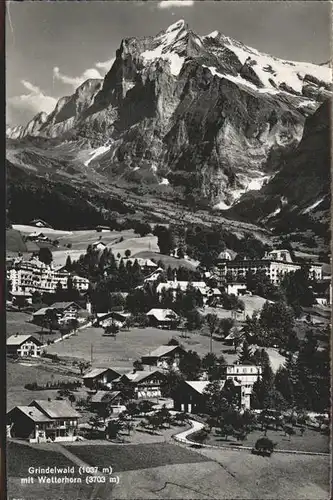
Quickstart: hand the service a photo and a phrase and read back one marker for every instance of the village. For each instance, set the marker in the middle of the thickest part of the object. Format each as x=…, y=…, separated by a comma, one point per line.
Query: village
x=124, y=349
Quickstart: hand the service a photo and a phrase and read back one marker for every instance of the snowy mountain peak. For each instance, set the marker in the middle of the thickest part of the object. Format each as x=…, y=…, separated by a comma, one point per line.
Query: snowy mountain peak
x=176, y=26
x=213, y=34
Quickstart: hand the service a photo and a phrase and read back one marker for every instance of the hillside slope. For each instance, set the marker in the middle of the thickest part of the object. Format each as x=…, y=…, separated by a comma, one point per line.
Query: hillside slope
x=298, y=196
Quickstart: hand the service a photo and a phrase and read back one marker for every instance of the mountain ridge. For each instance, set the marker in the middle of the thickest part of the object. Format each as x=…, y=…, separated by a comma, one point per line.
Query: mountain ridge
x=196, y=119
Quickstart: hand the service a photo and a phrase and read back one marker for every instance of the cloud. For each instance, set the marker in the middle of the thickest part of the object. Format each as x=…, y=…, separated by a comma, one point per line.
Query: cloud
x=169, y=4
x=76, y=81
x=29, y=86
x=101, y=67
x=106, y=65
x=24, y=106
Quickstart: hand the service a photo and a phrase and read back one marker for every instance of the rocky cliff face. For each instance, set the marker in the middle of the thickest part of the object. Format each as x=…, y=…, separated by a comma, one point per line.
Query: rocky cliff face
x=195, y=116
x=298, y=195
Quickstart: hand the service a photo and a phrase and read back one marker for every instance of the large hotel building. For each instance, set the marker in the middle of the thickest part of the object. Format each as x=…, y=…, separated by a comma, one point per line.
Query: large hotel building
x=276, y=264
x=33, y=275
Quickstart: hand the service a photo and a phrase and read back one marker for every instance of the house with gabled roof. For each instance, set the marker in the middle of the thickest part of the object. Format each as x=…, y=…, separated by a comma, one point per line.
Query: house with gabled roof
x=40, y=223
x=111, y=399
x=98, y=377
x=163, y=318
x=165, y=356
x=99, y=246
x=23, y=345
x=145, y=384
x=190, y=395
x=44, y=420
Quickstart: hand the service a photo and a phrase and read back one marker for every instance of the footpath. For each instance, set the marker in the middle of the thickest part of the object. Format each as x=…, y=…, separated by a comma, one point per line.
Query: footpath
x=183, y=437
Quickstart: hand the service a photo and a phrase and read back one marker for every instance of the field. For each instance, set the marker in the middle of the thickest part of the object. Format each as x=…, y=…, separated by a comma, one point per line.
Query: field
x=14, y=241
x=312, y=440
x=18, y=322
x=80, y=240
x=120, y=352
x=167, y=471
x=21, y=457
x=130, y=456
x=20, y=374
x=26, y=229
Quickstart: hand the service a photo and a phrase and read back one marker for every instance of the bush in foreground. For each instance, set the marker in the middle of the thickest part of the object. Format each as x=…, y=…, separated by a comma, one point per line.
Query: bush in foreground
x=264, y=446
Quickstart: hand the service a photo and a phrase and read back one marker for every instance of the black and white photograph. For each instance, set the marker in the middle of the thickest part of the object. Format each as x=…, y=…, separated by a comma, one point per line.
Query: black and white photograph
x=168, y=250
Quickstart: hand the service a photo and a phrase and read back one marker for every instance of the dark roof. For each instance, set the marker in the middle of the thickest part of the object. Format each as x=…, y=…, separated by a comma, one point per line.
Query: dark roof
x=55, y=408
x=104, y=396
x=162, y=351
x=95, y=372
x=63, y=305
x=32, y=412
x=141, y=375
x=33, y=222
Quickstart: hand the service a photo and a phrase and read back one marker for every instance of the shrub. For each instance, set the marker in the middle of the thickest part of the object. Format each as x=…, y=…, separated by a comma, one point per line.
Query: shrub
x=264, y=445
x=33, y=386
x=200, y=436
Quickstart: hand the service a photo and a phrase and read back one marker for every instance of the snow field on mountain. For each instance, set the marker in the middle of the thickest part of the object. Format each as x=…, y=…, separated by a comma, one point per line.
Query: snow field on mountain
x=97, y=152
x=314, y=205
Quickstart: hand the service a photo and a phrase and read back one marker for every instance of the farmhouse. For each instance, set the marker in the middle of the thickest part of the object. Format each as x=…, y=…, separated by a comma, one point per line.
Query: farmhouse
x=100, y=377
x=190, y=396
x=23, y=345
x=42, y=421
x=69, y=310
x=275, y=264
x=37, y=236
x=163, y=318
x=64, y=312
x=146, y=384
x=236, y=335
x=164, y=356
x=40, y=223
x=21, y=298
x=111, y=399
x=99, y=246
x=235, y=288
x=38, y=317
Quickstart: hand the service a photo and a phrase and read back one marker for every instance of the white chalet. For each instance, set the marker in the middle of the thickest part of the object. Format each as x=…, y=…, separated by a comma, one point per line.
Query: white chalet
x=23, y=345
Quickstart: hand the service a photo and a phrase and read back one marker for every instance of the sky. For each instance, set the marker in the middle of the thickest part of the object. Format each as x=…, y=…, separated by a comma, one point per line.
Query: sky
x=52, y=47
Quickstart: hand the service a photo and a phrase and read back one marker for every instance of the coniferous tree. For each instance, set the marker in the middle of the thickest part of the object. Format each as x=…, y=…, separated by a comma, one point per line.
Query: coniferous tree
x=245, y=356
x=68, y=264
x=45, y=255
x=190, y=365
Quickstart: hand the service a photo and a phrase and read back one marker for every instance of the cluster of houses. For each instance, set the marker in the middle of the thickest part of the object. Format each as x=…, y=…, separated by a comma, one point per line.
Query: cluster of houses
x=56, y=420
x=147, y=382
